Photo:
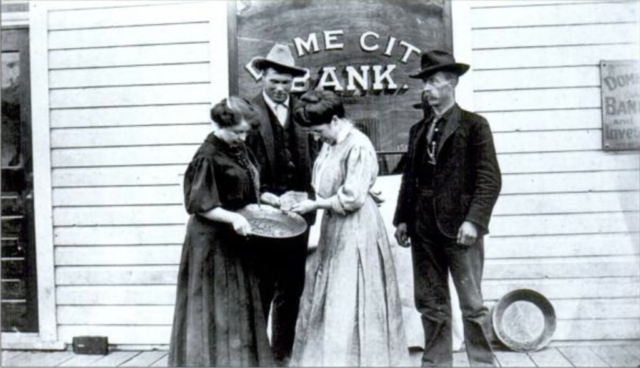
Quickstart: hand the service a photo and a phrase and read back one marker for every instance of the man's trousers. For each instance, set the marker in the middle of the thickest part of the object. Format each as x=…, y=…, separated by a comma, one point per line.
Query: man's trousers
x=434, y=255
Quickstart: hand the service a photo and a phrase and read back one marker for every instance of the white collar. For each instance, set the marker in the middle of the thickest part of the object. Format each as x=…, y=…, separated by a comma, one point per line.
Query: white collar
x=343, y=133
x=272, y=104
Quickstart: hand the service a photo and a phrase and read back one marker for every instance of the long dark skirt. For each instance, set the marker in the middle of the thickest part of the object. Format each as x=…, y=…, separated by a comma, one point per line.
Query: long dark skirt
x=218, y=318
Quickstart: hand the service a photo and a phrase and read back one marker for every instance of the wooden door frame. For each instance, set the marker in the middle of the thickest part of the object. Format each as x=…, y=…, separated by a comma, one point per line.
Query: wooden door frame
x=47, y=335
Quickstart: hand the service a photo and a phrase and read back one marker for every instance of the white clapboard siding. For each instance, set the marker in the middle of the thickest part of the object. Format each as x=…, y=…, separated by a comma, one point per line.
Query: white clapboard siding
x=587, y=288
x=159, y=135
x=585, y=245
x=566, y=222
x=566, y=225
x=163, y=315
x=503, y=226
x=130, y=56
x=514, y=205
x=129, y=136
x=118, y=196
x=583, y=223
x=127, y=36
x=575, y=76
x=571, y=119
x=116, y=315
x=131, y=116
x=567, y=203
x=562, y=35
x=579, y=12
x=118, y=334
x=118, y=255
x=69, y=7
x=116, y=295
x=566, y=330
x=130, y=76
x=182, y=154
x=160, y=13
x=612, y=329
x=521, y=269
x=556, y=141
x=130, y=96
x=583, y=288
x=123, y=156
x=548, y=162
x=621, y=244
x=538, y=99
x=115, y=275
x=512, y=184
x=570, y=182
x=624, y=308
x=119, y=235
x=559, y=268
x=124, y=77
x=129, y=176
x=554, y=4
x=120, y=215
x=557, y=56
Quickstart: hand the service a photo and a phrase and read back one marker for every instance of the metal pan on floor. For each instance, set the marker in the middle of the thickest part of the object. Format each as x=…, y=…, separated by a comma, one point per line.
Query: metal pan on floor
x=524, y=320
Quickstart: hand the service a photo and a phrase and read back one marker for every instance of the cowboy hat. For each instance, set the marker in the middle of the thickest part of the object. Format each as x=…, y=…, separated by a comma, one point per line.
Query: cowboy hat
x=279, y=58
x=435, y=61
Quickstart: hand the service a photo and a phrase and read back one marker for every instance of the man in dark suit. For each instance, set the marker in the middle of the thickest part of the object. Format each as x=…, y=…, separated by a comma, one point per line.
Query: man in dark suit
x=285, y=153
x=450, y=185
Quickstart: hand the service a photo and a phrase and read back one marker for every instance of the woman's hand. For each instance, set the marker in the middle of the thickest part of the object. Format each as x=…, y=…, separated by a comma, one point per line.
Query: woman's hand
x=241, y=226
x=270, y=199
x=305, y=206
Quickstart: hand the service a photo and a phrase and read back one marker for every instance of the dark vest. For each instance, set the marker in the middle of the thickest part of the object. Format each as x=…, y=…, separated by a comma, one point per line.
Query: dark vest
x=287, y=174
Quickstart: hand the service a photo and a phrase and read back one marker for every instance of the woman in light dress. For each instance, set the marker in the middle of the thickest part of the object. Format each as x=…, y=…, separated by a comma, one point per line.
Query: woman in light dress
x=350, y=313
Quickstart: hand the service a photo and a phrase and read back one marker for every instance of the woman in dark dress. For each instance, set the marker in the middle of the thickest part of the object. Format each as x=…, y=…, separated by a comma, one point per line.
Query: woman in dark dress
x=218, y=318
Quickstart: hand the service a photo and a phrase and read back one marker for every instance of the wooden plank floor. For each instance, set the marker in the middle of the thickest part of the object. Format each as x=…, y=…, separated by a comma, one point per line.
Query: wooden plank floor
x=573, y=356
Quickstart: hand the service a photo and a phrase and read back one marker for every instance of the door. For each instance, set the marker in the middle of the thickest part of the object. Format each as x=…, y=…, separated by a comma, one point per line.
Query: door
x=19, y=289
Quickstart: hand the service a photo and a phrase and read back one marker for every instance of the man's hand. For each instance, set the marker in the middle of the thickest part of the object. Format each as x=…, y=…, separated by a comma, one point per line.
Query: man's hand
x=467, y=234
x=270, y=199
x=402, y=235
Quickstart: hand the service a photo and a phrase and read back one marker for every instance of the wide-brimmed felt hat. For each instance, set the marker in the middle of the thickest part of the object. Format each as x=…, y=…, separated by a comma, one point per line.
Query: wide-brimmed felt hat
x=279, y=58
x=435, y=61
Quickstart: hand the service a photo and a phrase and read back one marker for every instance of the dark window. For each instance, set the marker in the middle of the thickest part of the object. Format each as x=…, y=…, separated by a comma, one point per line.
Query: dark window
x=19, y=289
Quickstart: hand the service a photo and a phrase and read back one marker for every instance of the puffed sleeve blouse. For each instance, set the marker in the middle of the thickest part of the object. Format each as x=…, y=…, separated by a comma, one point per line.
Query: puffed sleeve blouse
x=220, y=176
x=344, y=172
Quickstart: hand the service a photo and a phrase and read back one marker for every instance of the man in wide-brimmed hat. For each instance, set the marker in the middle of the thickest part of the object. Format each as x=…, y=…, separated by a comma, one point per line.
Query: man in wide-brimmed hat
x=450, y=185
x=285, y=152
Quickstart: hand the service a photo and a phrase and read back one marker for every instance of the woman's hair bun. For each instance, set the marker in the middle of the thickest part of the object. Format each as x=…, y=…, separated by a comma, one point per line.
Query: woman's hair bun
x=310, y=98
x=232, y=111
x=318, y=108
x=222, y=114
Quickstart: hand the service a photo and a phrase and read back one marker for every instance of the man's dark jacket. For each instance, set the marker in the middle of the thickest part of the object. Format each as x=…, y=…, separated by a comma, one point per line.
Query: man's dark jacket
x=467, y=178
x=262, y=143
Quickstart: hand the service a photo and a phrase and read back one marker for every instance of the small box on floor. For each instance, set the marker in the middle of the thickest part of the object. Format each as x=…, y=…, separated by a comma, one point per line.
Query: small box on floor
x=93, y=345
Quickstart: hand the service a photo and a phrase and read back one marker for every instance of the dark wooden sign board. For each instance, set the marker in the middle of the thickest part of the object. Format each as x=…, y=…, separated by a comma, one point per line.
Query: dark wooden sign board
x=362, y=49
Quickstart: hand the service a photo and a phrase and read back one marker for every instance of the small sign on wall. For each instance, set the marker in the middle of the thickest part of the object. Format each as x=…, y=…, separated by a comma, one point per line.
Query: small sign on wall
x=620, y=82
